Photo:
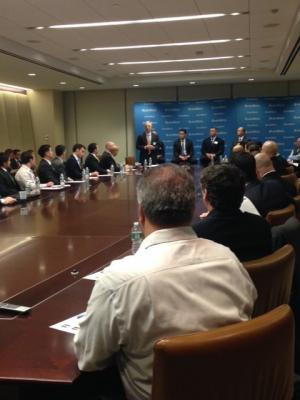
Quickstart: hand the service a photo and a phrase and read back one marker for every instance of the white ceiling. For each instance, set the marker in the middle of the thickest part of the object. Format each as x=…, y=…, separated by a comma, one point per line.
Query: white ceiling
x=269, y=28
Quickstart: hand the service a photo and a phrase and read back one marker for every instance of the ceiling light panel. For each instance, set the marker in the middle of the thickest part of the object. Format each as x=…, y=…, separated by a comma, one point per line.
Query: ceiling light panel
x=178, y=71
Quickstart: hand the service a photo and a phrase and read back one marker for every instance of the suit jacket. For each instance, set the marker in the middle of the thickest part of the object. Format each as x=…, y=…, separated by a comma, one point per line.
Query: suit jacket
x=59, y=166
x=216, y=147
x=73, y=170
x=160, y=154
x=280, y=164
x=15, y=164
x=289, y=187
x=243, y=142
x=142, y=141
x=106, y=160
x=47, y=173
x=94, y=165
x=267, y=195
x=247, y=235
x=189, y=147
x=8, y=184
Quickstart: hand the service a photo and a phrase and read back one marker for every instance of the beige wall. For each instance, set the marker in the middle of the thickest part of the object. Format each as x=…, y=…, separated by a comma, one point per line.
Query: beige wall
x=108, y=115
x=16, y=130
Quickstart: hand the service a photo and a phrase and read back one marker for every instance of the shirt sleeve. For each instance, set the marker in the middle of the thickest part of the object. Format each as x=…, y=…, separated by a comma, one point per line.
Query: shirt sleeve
x=99, y=337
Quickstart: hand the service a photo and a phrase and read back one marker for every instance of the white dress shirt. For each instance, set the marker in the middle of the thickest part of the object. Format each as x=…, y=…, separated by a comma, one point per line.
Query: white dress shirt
x=248, y=206
x=25, y=176
x=176, y=283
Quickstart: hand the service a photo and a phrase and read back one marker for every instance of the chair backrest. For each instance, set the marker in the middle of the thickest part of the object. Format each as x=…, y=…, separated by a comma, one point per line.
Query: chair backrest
x=250, y=360
x=289, y=170
x=272, y=276
x=278, y=217
x=130, y=160
x=297, y=204
x=291, y=178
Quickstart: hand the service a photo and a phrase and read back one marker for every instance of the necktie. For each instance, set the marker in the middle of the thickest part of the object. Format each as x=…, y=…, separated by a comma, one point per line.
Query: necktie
x=183, y=152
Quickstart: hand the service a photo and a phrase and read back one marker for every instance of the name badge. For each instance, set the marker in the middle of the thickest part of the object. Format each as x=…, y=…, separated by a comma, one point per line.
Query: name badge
x=215, y=142
x=154, y=143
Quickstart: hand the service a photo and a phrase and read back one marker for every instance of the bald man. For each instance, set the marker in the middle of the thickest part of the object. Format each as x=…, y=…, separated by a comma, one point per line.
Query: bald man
x=147, y=144
x=271, y=149
x=107, y=158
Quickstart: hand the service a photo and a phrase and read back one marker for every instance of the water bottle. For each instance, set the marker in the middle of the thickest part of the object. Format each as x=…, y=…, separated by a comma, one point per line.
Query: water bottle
x=27, y=188
x=62, y=180
x=37, y=185
x=145, y=165
x=150, y=161
x=225, y=159
x=112, y=170
x=136, y=237
x=83, y=175
x=122, y=169
x=87, y=173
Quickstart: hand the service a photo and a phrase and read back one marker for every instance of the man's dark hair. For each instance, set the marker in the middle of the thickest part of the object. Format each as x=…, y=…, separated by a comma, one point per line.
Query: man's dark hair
x=44, y=148
x=78, y=146
x=8, y=151
x=225, y=186
x=183, y=130
x=26, y=156
x=4, y=157
x=167, y=195
x=92, y=147
x=246, y=164
x=16, y=151
x=60, y=149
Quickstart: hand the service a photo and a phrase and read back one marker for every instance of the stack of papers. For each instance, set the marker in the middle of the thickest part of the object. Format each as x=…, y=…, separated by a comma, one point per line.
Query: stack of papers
x=70, y=325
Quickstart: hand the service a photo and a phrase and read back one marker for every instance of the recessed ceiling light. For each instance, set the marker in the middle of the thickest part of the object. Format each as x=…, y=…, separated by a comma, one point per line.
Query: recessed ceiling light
x=241, y=56
x=40, y=27
x=178, y=71
x=111, y=63
x=242, y=67
x=137, y=21
x=82, y=87
x=31, y=74
x=172, y=61
x=235, y=13
x=62, y=83
x=238, y=39
x=250, y=79
x=131, y=73
x=135, y=85
x=192, y=83
x=147, y=46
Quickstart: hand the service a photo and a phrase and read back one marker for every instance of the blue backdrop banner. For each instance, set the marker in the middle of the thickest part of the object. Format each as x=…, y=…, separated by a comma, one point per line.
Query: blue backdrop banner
x=275, y=118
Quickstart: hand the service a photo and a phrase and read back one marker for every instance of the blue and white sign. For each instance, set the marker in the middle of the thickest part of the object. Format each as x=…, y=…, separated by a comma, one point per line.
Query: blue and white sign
x=275, y=118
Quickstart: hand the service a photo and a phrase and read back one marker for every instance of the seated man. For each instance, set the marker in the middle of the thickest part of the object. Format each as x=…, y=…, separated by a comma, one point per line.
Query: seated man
x=58, y=162
x=271, y=149
x=46, y=171
x=183, y=149
x=25, y=176
x=266, y=172
x=74, y=162
x=92, y=160
x=247, y=235
x=266, y=195
x=15, y=162
x=240, y=137
x=212, y=149
x=8, y=184
x=107, y=158
x=174, y=284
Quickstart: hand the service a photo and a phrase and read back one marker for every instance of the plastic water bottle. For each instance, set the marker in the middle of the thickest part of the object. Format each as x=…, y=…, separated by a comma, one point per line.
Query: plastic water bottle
x=27, y=188
x=225, y=159
x=145, y=165
x=136, y=237
x=150, y=161
x=122, y=169
x=112, y=170
x=83, y=175
x=87, y=173
x=62, y=180
x=37, y=185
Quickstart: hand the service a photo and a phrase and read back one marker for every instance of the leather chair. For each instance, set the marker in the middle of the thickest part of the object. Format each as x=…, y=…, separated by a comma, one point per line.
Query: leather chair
x=289, y=170
x=278, y=217
x=250, y=360
x=297, y=204
x=130, y=160
x=272, y=276
x=292, y=179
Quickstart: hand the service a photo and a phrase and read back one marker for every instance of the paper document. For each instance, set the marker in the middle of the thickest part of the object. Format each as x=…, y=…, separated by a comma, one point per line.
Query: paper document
x=93, y=277
x=70, y=325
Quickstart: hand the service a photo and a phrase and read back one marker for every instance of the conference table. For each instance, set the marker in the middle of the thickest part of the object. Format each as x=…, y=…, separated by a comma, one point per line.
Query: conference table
x=47, y=246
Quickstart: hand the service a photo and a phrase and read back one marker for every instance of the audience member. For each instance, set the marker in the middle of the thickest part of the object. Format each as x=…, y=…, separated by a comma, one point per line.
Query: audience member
x=25, y=176
x=15, y=162
x=58, y=161
x=212, y=148
x=74, y=162
x=247, y=235
x=174, y=284
x=8, y=184
x=146, y=143
x=238, y=148
x=240, y=138
x=92, y=161
x=253, y=147
x=295, y=153
x=46, y=171
x=271, y=149
x=183, y=149
x=107, y=158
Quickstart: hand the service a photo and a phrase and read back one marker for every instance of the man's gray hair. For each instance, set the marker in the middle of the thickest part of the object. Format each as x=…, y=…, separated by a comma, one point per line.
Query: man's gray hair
x=167, y=195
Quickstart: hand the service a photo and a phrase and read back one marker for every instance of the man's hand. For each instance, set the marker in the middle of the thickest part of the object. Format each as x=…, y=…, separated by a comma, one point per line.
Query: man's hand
x=49, y=184
x=94, y=173
x=8, y=200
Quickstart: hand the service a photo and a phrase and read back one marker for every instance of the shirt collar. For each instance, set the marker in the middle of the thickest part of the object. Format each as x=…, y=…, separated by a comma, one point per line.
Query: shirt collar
x=49, y=162
x=168, y=235
x=76, y=158
x=4, y=169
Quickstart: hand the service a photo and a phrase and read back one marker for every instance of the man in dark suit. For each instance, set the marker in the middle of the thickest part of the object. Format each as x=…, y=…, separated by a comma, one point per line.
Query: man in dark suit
x=74, y=162
x=266, y=195
x=58, y=162
x=46, y=171
x=160, y=153
x=240, y=137
x=15, y=162
x=146, y=143
x=271, y=149
x=247, y=235
x=212, y=148
x=107, y=158
x=8, y=184
x=183, y=149
x=92, y=160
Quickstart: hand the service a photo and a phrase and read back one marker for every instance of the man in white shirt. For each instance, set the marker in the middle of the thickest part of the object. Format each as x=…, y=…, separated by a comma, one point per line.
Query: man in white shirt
x=25, y=176
x=174, y=284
